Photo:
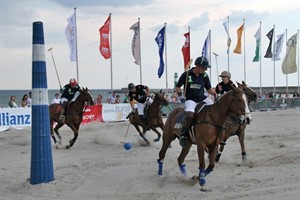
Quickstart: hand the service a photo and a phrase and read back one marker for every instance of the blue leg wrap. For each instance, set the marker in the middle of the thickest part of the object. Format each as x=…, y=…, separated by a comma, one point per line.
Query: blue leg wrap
x=207, y=171
x=160, y=167
x=202, y=175
x=182, y=169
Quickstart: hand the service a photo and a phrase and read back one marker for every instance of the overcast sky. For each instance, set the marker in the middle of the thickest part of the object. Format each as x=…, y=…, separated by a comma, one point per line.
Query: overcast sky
x=17, y=17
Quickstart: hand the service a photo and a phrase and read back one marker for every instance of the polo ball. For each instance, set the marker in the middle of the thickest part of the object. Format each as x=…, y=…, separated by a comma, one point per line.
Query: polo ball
x=127, y=146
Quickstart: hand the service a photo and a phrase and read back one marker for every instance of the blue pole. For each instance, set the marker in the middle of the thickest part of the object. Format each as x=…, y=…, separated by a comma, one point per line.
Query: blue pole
x=41, y=151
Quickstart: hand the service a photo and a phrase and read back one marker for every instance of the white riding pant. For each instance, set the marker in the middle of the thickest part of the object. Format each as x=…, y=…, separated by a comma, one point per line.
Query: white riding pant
x=190, y=105
x=63, y=99
x=141, y=106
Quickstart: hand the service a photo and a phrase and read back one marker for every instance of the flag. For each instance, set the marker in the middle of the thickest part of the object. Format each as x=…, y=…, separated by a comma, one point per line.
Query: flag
x=269, y=50
x=206, y=47
x=160, y=40
x=228, y=37
x=135, y=45
x=71, y=37
x=257, y=49
x=278, y=47
x=289, y=65
x=238, y=48
x=186, y=49
x=104, y=39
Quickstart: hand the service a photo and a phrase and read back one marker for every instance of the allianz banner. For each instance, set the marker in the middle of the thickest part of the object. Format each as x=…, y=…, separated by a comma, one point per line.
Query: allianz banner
x=14, y=117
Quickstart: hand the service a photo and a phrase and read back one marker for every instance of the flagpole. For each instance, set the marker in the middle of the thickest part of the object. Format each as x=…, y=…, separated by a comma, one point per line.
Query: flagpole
x=76, y=46
x=209, y=33
x=166, y=58
x=286, y=75
x=229, y=46
x=273, y=38
x=141, y=80
x=110, y=44
x=244, y=52
x=260, y=75
x=298, y=57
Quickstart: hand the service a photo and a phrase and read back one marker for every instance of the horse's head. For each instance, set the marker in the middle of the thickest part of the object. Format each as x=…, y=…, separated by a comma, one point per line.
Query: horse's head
x=250, y=94
x=160, y=98
x=86, y=96
x=238, y=105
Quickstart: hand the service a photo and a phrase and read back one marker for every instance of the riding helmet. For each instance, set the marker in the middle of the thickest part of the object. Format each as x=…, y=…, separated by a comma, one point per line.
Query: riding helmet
x=225, y=74
x=130, y=86
x=202, y=62
x=73, y=82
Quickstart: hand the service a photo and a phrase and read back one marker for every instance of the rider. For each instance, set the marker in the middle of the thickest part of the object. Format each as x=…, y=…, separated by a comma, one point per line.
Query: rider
x=69, y=93
x=141, y=94
x=194, y=83
x=226, y=84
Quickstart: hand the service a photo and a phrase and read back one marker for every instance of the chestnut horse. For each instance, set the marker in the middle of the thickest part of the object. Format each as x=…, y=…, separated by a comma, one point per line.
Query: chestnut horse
x=206, y=132
x=238, y=129
x=73, y=115
x=153, y=117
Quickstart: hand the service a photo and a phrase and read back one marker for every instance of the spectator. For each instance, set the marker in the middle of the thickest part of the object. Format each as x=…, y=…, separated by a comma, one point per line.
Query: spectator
x=56, y=100
x=112, y=99
x=98, y=100
x=12, y=102
x=24, y=102
x=126, y=99
x=118, y=100
x=29, y=99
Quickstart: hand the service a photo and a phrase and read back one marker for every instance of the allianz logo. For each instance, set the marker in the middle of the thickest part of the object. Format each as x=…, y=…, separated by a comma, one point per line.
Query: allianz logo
x=15, y=119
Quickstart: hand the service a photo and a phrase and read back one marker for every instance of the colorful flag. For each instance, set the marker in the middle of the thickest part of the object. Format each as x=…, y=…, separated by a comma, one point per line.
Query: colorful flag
x=206, y=47
x=135, y=45
x=71, y=37
x=269, y=50
x=278, y=47
x=289, y=65
x=104, y=39
x=225, y=24
x=186, y=49
x=160, y=40
x=257, y=49
x=238, y=48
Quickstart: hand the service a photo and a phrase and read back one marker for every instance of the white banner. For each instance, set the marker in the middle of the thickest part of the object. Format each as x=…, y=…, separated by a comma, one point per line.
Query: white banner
x=71, y=36
x=135, y=46
x=14, y=118
x=115, y=112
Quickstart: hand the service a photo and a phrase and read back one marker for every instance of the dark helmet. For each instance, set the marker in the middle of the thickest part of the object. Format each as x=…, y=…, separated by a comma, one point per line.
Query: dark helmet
x=130, y=86
x=202, y=62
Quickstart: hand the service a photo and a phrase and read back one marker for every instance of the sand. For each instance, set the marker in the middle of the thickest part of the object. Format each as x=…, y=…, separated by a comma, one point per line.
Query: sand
x=98, y=167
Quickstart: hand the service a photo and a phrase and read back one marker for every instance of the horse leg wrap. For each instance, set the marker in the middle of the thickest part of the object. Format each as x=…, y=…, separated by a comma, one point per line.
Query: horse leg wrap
x=208, y=170
x=244, y=156
x=202, y=175
x=160, y=167
x=182, y=169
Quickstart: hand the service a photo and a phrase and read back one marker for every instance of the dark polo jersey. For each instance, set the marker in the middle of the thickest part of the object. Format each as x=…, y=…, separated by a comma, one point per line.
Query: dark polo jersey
x=221, y=88
x=195, y=85
x=139, y=95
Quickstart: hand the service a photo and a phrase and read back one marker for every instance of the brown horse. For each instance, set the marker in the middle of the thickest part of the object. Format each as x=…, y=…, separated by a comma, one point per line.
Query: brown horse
x=153, y=117
x=207, y=131
x=73, y=115
x=238, y=129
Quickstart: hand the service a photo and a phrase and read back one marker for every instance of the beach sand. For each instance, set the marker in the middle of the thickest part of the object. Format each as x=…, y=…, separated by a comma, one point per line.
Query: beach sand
x=98, y=167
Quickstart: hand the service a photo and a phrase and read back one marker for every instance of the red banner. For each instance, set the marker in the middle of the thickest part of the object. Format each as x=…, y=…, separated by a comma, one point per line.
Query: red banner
x=104, y=39
x=186, y=49
x=91, y=114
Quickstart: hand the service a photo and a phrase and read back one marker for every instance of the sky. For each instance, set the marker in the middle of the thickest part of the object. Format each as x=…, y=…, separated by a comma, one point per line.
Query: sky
x=17, y=17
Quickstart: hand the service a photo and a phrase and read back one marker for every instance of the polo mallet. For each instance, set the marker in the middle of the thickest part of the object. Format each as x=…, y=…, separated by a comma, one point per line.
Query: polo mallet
x=186, y=68
x=55, y=67
x=127, y=130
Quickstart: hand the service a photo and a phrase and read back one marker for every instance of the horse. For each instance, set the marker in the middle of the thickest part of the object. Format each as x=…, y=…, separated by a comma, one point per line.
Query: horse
x=207, y=131
x=153, y=117
x=237, y=129
x=73, y=116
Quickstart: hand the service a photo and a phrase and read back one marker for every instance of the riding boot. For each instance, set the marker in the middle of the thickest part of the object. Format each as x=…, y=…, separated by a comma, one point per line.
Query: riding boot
x=62, y=111
x=144, y=120
x=186, y=123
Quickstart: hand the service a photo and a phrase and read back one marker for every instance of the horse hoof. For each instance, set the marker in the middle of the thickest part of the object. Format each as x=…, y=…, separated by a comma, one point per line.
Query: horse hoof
x=68, y=147
x=203, y=188
x=57, y=146
x=60, y=142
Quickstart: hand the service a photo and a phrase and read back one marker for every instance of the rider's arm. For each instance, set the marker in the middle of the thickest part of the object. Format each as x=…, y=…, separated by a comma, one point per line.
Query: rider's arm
x=212, y=91
x=147, y=91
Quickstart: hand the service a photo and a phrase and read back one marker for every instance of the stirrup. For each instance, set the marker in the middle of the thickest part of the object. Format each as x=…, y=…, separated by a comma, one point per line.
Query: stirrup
x=183, y=140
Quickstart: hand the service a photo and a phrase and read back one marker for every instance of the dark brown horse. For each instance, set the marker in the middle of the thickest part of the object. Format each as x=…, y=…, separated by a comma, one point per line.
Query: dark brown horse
x=238, y=129
x=207, y=131
x=73, y=116
x=153, y=117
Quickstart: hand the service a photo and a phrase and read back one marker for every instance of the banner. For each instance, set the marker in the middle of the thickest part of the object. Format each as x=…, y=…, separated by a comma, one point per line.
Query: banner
x=115, y=112
x=257, y=49
x=186, y=49
x=269, y=50
x=206, y=47
x=238, y=48
x=104, y=39
x=160, y=40
x=135, y=46
x=225, y=24
x=278, y=47
x=289, y=65
x=71, y=36
x=92, y=114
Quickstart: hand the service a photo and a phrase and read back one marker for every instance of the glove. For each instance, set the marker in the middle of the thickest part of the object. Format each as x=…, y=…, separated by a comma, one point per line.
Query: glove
x=182, y=99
